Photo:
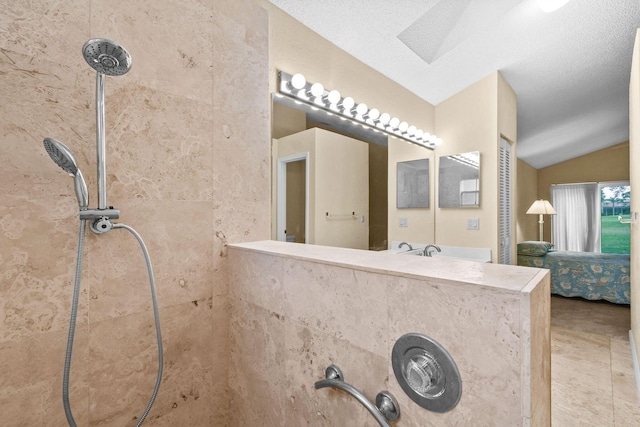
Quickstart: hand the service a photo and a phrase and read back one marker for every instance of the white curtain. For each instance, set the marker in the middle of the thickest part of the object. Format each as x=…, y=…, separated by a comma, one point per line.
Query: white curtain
x=576, y=227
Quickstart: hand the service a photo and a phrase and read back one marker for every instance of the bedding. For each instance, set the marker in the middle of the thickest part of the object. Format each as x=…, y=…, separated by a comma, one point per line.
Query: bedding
x=590, y=275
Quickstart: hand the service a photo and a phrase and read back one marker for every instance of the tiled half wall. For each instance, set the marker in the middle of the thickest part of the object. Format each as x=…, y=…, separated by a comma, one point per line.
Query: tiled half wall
x=298, y=308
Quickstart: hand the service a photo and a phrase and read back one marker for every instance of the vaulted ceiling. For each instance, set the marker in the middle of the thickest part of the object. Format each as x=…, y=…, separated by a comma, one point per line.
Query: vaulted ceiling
x=569, y=68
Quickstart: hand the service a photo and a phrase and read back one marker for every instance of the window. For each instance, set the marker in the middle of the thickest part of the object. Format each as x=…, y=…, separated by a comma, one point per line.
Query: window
x=587, y=217
x=615, y=200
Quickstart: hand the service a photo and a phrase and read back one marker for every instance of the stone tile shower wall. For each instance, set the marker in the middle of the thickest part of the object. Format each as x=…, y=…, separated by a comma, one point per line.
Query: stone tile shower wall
x=188, y=166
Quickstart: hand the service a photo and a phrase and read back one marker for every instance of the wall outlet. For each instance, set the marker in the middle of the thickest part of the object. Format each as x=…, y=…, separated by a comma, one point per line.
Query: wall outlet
x=473, y=224
x=404, y=222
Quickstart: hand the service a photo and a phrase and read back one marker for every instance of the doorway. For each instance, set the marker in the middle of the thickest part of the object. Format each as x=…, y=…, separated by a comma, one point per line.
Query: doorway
x=293, y=198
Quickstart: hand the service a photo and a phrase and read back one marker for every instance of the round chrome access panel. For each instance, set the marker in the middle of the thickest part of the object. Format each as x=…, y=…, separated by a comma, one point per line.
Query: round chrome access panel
x=426, y=372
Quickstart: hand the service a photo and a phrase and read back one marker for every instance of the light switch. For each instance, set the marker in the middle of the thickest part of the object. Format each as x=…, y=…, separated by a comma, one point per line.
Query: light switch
x=404, y=222
x=473, y=224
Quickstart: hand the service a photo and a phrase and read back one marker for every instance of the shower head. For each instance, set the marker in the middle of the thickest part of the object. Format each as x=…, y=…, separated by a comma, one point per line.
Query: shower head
x=61, y=155
x=64, y=158
x=106, y=57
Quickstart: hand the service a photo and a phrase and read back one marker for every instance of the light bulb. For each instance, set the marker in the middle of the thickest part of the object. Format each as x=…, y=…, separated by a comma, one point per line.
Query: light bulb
x=419, y=133
x=426, y=136
x=361, y=109
x=403, y=127
x=302, y=94
x=438, y=141
x=394, y=122
x=316, y=90
x=298, y=81
x=334, y=97
x=374, y=113
x=347, y=103
x=411, y=131
x=384, y=118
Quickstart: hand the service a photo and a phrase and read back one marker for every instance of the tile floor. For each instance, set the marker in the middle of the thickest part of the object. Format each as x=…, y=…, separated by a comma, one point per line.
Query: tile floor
x=592, y=381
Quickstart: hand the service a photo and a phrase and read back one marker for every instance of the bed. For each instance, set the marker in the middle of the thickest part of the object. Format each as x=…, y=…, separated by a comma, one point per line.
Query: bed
x=590, y=275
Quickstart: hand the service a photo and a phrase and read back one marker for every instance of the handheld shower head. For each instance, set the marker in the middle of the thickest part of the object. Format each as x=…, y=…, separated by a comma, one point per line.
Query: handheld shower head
x=61, y=155
x=64, y=158
x=106, y=57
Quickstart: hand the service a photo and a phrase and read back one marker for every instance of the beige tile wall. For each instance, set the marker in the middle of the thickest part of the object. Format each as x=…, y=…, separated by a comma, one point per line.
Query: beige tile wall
x=297, y=309
x=188, y=166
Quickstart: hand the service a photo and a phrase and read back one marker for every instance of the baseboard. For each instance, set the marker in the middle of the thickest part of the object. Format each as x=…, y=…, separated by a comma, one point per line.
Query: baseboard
x=636, y=366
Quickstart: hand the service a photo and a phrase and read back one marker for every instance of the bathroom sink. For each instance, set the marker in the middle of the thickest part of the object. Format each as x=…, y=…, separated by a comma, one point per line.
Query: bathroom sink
x=453, y=252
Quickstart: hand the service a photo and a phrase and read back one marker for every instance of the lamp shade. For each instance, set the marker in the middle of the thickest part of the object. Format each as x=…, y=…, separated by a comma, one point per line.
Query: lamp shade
x=541, y=207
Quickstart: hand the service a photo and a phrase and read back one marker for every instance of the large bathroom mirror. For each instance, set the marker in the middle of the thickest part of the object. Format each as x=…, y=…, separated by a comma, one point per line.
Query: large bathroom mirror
x=290, y=118
x=412, y=184
x=459, y=180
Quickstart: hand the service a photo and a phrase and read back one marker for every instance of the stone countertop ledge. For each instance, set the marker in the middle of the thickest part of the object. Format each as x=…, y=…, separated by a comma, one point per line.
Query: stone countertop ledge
x=505, y=278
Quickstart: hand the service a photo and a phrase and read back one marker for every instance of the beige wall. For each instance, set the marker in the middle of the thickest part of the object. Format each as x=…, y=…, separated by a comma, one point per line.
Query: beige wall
x=634, y=148
x=474, y=120
x=342, y=187
x=286, y=120
x=527, y=190
x=606, y=165
x=420, y=220
x=188, y=167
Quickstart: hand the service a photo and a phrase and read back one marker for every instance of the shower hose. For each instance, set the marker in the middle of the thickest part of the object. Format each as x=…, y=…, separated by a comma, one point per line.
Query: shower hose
x=74, y=312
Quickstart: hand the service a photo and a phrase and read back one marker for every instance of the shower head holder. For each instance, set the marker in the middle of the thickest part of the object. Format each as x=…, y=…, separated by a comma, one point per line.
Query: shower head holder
x=100, y=219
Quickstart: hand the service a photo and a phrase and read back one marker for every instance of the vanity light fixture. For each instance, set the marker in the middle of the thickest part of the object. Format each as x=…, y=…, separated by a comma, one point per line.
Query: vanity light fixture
x=315, y=95
x=469, y=159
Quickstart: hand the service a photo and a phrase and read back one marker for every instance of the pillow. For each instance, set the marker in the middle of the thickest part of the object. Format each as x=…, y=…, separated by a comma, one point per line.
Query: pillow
x=534, y=248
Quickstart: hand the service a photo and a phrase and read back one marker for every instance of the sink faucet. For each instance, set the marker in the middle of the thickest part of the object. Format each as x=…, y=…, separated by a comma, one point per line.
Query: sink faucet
x=405, y=244
x=430, y=249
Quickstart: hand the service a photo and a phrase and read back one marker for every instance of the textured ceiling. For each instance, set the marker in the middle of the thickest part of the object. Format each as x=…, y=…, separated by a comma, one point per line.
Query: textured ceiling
x=569, y=68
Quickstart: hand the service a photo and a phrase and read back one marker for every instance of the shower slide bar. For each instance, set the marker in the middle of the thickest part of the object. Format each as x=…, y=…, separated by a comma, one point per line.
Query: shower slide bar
x=386, y=408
